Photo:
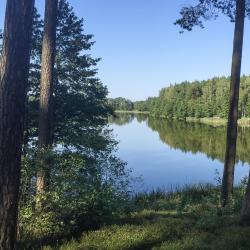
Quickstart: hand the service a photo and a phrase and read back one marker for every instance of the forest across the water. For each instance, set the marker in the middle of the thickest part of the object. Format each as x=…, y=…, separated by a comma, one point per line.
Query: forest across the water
x=63, y=184
x=197, y=99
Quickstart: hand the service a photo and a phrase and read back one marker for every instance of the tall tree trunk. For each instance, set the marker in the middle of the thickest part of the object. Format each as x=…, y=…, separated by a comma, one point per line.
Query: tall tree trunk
x=245, y=213
x=46, y=89
x=228, y=175
x=14, y=66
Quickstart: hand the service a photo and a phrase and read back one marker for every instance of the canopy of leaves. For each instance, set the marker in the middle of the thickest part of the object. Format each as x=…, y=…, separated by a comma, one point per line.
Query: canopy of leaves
x=195, y=15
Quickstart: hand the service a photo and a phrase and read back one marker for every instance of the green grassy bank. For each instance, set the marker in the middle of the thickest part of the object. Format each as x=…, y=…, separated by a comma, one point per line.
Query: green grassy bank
x=218, y=121
x=190, y=218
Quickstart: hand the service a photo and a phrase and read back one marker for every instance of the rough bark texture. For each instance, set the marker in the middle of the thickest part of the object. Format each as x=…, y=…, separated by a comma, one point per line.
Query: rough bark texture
x=228, y=175
x=46, y=89
x=14, y=65
x=245, y=213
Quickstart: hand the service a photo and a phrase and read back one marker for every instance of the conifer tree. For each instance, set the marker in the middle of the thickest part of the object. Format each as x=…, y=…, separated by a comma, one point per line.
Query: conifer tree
x=14, y=65
x=46, y=89
x=192, y=16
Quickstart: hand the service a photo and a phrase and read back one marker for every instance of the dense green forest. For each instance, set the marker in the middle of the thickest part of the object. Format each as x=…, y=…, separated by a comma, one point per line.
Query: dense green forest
x=120, y=103
x=197, y=99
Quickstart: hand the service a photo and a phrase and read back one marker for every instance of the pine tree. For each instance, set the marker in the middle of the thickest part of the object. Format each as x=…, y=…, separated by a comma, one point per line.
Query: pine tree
x=80, y=98
x=192, y=16
x=14, y=67
x=228, y=174
x=46, y=89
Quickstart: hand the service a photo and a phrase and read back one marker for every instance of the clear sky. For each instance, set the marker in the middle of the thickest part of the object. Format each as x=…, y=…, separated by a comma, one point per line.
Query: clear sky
x=142, y=51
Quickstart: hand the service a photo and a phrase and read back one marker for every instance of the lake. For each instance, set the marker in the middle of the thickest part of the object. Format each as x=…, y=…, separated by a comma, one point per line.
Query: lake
x=170, y=153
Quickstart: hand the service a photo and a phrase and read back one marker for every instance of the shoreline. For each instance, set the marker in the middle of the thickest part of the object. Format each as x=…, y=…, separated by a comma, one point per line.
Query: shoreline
x=245, y=122
x=215, y=121
x=132, y=112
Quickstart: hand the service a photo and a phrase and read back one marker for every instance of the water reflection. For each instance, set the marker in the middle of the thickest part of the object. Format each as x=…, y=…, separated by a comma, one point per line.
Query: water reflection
x=125, y=118
x=170, y=152
x=192, y=137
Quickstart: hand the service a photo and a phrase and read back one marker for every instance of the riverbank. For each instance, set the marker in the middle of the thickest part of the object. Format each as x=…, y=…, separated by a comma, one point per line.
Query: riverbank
x=131, y=112
x=187, y=219
x=245, y=122
x=215, y=121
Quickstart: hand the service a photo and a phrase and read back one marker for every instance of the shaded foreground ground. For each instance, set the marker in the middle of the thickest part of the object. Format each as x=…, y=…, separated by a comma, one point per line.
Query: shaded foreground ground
x=165, y=230
x=186, y=219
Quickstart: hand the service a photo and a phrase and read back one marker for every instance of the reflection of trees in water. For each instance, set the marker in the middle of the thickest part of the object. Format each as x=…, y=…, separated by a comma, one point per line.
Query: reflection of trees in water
x=141, y=117
x=120, y=119
x=191, y=137
x=125, y=118
x=196, y=137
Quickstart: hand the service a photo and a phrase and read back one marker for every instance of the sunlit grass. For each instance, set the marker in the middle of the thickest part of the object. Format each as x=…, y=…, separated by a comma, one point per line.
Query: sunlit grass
x=154, y=229
x=188, y=218
x=163, y=230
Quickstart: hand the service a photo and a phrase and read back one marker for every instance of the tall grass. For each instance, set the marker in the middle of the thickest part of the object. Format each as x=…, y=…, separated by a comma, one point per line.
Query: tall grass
x=189, y=217
x=160, y=199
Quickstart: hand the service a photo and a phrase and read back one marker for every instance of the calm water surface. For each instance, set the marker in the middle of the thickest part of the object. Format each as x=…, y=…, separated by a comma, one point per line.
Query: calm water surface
x=169, y=154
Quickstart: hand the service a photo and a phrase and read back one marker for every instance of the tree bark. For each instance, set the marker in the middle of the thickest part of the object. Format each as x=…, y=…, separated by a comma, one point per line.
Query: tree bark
x=46, y=88
x=14, y=66
x=228, y=175
x=245, y=212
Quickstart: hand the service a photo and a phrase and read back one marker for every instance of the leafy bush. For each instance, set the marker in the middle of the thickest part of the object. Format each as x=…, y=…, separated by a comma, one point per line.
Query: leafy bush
x=84, y=193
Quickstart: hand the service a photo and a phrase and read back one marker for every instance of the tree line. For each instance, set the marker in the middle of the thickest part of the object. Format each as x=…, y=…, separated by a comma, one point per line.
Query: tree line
x=198, y=99
x=121, y=103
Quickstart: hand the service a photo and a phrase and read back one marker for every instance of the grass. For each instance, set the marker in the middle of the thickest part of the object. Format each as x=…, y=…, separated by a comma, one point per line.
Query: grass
x=148, y=229
x=231, y=238
x=217, y=121
x=188, y=218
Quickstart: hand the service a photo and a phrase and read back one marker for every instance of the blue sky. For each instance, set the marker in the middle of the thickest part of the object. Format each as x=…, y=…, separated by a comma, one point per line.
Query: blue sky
x=142, y=51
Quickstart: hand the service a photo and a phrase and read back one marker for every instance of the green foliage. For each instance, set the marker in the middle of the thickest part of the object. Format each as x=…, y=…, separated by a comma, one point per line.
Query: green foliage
x=80, y=98
x=132, y=236
x=231, y=238
x=191, y=99
x=173, y=200
x=197, y=99
x=194, y=221
x=83, y=193
x=88, y=186
x=120, y=103
x=203, y=10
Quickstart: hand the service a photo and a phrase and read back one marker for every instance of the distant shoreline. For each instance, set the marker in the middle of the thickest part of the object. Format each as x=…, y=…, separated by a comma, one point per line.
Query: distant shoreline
x=132, y=112
x=216, y=121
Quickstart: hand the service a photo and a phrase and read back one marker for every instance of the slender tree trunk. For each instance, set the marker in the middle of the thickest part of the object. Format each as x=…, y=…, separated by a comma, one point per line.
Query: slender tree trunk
x=14, y=66
x=46, y=89
x=228, y=175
